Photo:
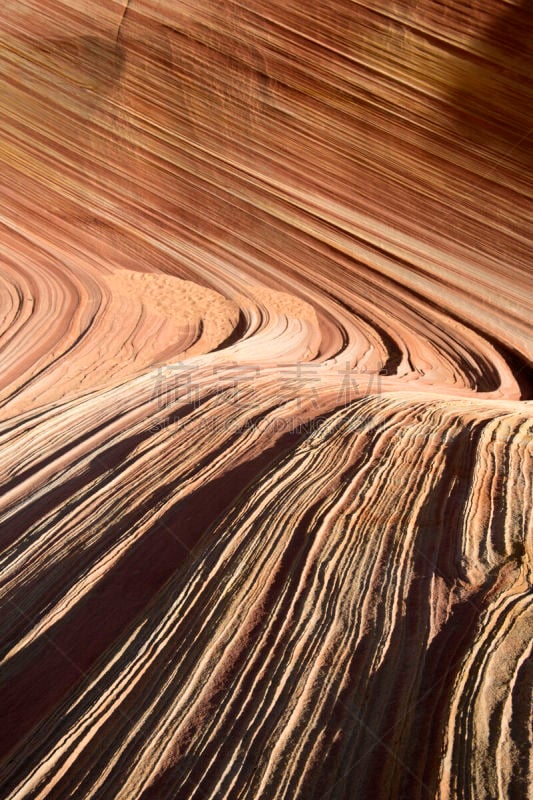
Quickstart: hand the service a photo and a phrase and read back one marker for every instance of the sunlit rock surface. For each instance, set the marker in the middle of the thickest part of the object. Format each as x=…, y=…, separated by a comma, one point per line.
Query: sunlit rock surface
x=265, y=400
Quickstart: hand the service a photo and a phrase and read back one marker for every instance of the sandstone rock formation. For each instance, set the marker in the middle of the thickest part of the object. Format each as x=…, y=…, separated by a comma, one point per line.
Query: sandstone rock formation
x=266, y=412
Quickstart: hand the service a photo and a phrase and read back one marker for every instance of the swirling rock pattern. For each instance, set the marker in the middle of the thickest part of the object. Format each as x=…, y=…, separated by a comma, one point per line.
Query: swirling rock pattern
x=265, y=400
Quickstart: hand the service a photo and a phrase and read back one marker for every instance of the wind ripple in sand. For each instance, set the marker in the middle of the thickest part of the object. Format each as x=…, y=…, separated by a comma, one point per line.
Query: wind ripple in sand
x=266, y=417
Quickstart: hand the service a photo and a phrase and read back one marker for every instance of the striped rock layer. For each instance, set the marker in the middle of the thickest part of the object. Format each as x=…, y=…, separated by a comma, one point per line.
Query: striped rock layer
x=266, y=413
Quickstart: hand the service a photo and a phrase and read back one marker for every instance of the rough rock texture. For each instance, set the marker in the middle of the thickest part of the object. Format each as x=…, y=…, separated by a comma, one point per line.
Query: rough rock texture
x=266, y=413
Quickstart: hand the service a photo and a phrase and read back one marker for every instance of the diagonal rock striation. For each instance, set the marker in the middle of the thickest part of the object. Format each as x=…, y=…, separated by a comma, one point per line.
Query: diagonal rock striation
x=266, y=414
